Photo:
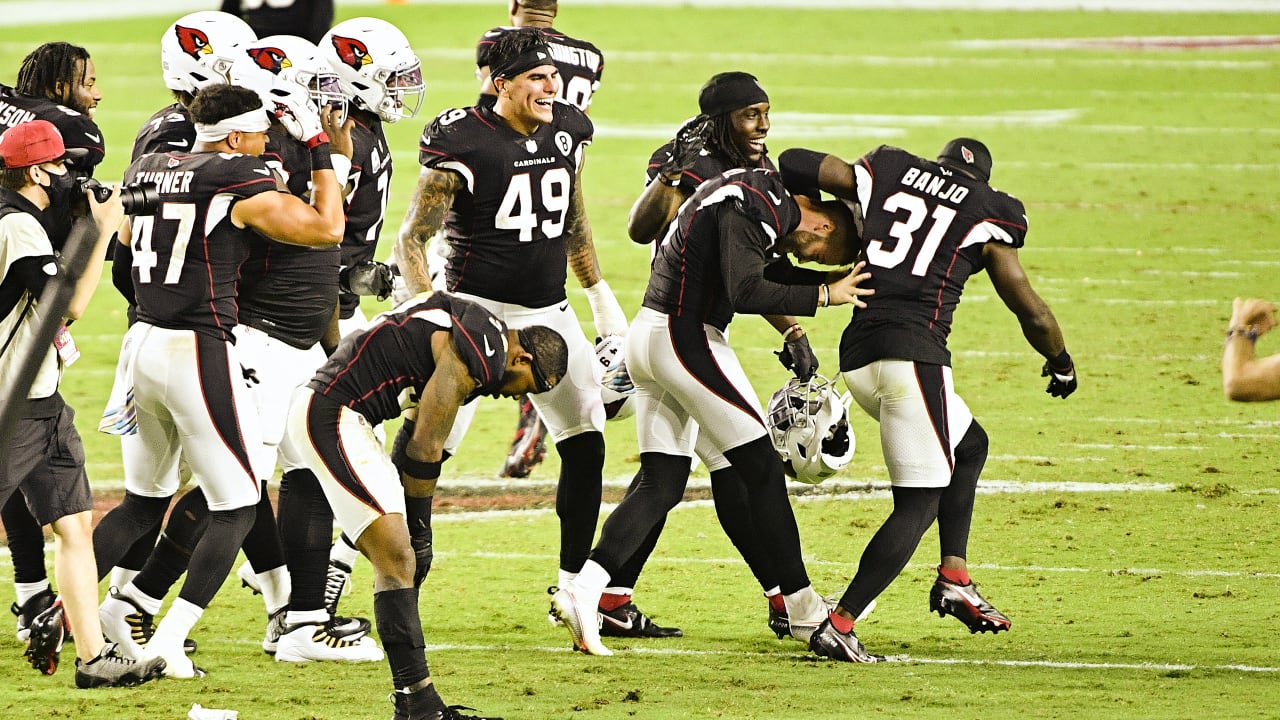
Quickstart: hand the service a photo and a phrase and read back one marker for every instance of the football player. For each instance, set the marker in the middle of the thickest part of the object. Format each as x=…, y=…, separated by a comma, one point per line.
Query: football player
x=444, y=352
x=728, y=133
x=503, y=181
x=187, y=261
x=720, y=258
x=581, y=65
x=307, y=19
x=928, y=225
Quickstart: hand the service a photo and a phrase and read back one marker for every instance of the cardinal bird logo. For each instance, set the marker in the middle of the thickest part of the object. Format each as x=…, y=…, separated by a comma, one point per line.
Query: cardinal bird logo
x=192, y=41
x=351, y=51
x=270, y=58
x=967, y=153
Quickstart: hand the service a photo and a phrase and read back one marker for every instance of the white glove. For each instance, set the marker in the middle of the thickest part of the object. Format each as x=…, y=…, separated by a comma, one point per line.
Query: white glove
x=606, y=311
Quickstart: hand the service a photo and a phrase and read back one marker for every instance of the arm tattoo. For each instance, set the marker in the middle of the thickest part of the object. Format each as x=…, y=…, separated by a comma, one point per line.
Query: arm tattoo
x=431, y=202
x=579, y=247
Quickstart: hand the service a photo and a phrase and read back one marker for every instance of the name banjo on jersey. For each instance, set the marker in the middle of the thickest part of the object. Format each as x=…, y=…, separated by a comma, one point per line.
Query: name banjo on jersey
x=939, y=187
x=168, y=181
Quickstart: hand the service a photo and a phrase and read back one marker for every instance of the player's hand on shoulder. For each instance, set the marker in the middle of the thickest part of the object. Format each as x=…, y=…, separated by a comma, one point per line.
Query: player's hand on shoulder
x=688, y=144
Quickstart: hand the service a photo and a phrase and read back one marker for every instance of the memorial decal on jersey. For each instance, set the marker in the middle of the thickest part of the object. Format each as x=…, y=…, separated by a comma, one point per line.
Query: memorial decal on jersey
x=564, y=142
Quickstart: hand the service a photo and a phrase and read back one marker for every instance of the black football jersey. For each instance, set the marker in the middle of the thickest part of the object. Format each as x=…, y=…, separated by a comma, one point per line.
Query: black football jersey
x=289, y=291
x=381, y=370
x=719, y=254
x=710, y=163
x=367, y=203
x=308, y=19
x=169, y=130
x=187, y=256
x=80, y=133
x=924, y=230
x=580, y=63
x=506, y=228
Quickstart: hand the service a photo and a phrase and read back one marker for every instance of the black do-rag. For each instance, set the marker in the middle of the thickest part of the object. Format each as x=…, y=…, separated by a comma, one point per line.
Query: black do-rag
x=969, y=155
x=728, y=91
x=541, y=382
x=538, y=54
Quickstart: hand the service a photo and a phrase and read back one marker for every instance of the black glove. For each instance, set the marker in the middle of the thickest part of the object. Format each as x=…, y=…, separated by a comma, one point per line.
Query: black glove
x=798, y=357
x=689, y=141
x=1062, y=375
x=367, y=278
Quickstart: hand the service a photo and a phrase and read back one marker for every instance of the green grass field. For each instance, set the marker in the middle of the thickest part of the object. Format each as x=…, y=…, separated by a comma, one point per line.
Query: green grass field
x=1129, y=532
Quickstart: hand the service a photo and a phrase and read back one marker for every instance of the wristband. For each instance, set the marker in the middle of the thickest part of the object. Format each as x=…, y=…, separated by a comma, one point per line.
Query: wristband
x=317, y=140
x=1062, y=361
x=1245, y=332
x=321, y=158
x=341, y=167
x=786, y=335
x=608, y=315
x=664, y=180
x=826, y=296
x=418, y=468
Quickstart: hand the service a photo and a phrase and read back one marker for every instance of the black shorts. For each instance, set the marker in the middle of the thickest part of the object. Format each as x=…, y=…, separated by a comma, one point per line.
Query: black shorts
x=46, y=462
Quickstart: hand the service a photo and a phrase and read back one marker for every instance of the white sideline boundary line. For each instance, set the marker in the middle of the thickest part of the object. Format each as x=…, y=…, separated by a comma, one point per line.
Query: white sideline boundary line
x=896, y=659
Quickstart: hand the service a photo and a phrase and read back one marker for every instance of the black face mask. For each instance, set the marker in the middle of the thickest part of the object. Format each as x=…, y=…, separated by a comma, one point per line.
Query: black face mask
x=61, y=189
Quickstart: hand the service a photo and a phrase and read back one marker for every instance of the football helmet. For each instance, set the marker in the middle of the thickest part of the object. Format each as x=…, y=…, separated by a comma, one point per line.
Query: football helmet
x=295, y=60
x=809, y=426
x=199, y=49
x=616, y=388
x=379, y=71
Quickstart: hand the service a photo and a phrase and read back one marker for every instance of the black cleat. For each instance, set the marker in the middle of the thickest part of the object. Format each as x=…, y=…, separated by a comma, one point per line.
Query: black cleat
x=965, y=604
x=779, y=623
x=410, y=707
x=111, y=669
x=28, y=611
x=828, y=642
x=628, y=621
x=529, y=446
x=44, y=642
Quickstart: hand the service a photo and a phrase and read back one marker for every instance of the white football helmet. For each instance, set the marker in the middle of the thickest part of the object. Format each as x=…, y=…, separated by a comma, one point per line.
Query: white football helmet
x=616, y=388
x=295, y=60
x=379, y=71
x=809, y=426
x=199, y=49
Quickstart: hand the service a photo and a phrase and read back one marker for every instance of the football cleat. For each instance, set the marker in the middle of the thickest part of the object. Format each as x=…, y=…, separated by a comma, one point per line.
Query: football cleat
x=337, y=583
x=275, y=629
x=126, y=624
x=312, y=642
x=411, y=706
x=628, y=621
x=175, y=662
x=529, y=446
x=582, y=621
x=248, y=578
x=112, y=669
x=828, y=642
x=780, y=624
x=28, y=611
x=966, y=605
x=44, y=641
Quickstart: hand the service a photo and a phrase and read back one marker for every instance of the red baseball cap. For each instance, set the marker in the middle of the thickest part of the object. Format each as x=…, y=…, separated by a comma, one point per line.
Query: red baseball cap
x=31, y=143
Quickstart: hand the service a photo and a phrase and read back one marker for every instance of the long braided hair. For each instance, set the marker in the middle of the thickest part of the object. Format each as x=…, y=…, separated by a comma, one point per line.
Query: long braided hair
x=49, y=65
x=721, y=138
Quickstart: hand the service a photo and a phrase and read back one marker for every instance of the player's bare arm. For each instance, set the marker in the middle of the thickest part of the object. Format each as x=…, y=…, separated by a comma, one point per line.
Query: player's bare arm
x=1039, y=326
x=653, y=210
x=445, y=391
x=579, y=247
x=1246, y=377
x=289, y=219
x=431, y=202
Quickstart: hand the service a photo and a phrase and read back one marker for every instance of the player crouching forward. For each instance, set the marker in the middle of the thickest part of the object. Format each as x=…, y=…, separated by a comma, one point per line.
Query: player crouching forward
x=442, y=352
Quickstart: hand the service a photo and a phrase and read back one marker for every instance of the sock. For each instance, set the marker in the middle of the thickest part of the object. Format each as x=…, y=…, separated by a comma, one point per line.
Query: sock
x=26, y=591
x=344, y=551
x=959, y=576
x=276, y=588
x=776, y=603
x=121, y=576
x=564, y=577
x=145, y=602
x=306, y=617
x=841, y=624
x=612, y=600
x=177, y=624
x=400, y=628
